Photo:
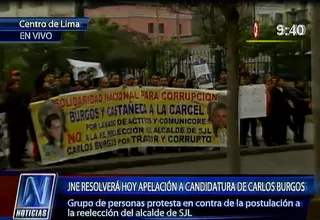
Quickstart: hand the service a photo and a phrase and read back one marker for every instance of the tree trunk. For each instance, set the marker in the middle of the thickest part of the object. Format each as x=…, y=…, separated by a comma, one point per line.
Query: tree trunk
x=233, y=150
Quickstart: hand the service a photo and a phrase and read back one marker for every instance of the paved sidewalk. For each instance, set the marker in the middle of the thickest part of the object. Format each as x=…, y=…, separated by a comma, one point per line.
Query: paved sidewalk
x=280, y=163
x=161, y=159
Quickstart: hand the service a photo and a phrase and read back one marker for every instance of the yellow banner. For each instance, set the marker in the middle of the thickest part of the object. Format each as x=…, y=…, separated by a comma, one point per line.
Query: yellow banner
x=92, y=122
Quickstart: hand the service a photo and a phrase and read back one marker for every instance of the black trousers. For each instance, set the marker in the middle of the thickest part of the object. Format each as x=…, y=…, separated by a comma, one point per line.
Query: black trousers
x=245, y=125
x=281, y=123
x=299, y=121
x=17, y=145
x=267, y=129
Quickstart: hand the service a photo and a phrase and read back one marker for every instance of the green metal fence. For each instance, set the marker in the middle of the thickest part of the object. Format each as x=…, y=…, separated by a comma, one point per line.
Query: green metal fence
x=170, y=63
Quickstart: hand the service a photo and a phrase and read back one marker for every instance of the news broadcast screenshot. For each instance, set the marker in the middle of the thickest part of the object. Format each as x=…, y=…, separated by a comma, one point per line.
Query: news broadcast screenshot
x=51, y=196
x=159, y=110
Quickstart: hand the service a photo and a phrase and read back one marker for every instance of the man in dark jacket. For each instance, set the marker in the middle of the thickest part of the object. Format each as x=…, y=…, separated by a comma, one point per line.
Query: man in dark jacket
x=65, y=85
x=300, y=109
x=18, y=119
x=280, y=111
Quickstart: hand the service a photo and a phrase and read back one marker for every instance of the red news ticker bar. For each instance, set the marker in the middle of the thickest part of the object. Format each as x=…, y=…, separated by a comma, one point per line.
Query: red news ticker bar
x=8, y=190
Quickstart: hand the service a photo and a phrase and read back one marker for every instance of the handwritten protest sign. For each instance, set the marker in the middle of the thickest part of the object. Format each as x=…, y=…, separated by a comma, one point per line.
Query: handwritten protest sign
x=203, y=76
x=77, y=125
x=252, y=101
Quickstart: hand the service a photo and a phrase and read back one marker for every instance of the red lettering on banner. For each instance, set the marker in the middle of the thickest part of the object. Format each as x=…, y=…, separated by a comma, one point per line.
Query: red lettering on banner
x=74, y=137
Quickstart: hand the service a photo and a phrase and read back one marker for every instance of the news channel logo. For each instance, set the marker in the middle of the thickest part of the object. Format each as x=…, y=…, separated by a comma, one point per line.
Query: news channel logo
x=35, y=196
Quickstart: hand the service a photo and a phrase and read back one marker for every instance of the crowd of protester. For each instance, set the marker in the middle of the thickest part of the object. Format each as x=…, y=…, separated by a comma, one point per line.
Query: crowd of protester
x=286, y=106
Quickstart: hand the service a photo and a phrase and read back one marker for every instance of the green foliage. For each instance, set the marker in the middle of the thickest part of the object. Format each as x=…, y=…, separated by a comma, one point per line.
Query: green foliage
x=99, y=39
x=213, y=29
x=108, y=44
x=129, y=50
x=53, y=54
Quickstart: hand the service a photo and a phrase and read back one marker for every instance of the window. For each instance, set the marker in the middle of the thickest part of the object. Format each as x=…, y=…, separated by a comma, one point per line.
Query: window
x=36, y=3
x=264, y=18
x=150, y=28
x=180, y=29
x=279, y=18
x=161, y=28
x=4, y=6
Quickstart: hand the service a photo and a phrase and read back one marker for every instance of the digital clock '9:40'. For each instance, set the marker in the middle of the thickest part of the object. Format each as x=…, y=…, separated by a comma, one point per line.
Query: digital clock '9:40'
x=293, y=30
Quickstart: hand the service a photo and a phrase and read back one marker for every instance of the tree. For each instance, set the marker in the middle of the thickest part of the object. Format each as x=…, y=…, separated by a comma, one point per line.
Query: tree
x=130, y=50
x=103, y=39
x=213, y=25
x=221, y=25
x=53, y=54
x=99, y=39
x=231, y=15
x=114, y=47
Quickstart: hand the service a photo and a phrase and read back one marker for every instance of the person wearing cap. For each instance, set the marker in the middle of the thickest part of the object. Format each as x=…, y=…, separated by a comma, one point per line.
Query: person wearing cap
x=15, y=74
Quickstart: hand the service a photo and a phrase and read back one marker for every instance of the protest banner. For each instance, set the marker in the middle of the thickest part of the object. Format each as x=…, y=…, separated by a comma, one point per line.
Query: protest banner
x=92, y=68
x=93, y=122
x=203, y=76
x=252, y=101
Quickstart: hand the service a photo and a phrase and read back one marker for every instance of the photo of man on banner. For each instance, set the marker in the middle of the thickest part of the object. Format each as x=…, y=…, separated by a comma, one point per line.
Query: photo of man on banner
x=217, y=116
x=52, y=121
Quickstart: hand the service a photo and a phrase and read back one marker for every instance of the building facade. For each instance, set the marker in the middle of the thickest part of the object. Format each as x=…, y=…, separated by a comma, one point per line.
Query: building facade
x=36, y=9
x=281, y=13
x=157, y=22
